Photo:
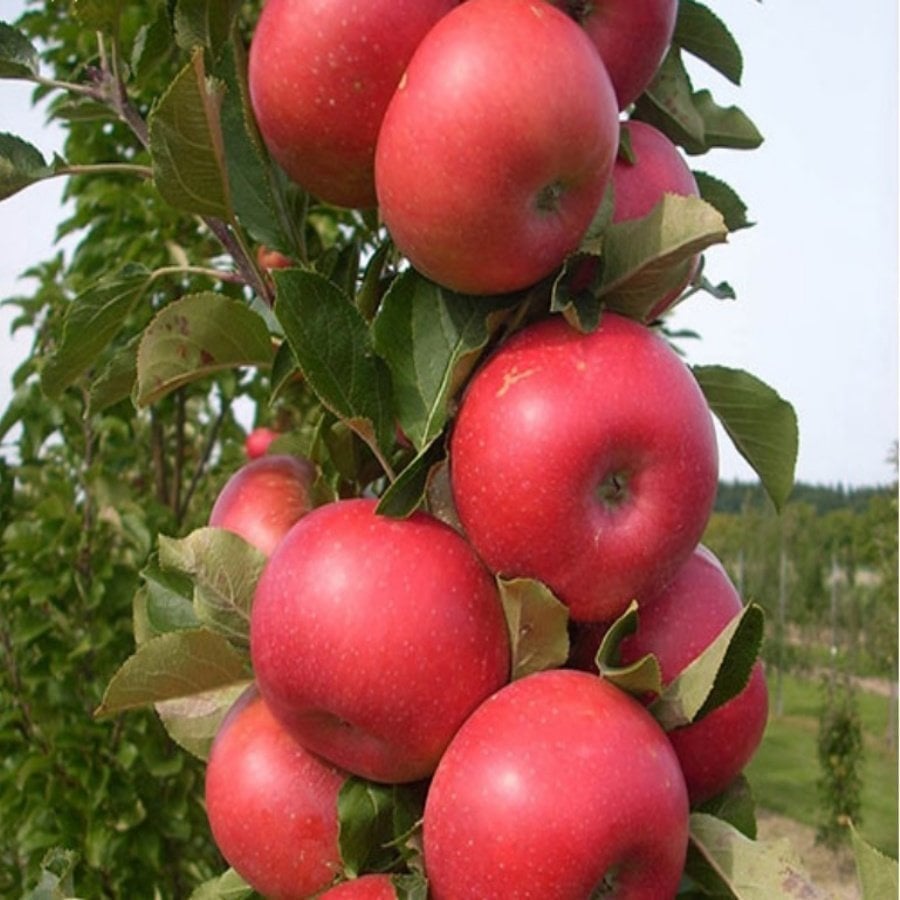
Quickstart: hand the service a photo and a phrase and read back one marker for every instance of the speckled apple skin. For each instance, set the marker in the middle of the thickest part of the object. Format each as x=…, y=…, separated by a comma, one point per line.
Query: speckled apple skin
x=368, y=887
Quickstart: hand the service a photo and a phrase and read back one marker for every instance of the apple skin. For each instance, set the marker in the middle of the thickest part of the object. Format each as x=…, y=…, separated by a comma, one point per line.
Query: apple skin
x=256, y=444
x=264, y=498
x=677, y=625
x=373, y=638
x=632, y=37
x=321, y=75
x=497, y=147
x=586, y=461
x=367, y=887
x=272, y=805
x=556, y=782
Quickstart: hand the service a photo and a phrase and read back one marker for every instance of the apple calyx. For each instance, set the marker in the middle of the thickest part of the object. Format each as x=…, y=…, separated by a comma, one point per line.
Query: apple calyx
x=613, y=490
x=549, y=197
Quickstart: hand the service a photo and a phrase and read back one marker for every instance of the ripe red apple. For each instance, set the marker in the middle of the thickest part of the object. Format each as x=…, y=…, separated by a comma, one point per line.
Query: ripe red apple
x=272, y=805
x=497, y=147
x=373, y=638
x=558, y=786
x=586, y=461
x=632, y=37
x=263, y=498
x=368, y=887
x=321, y=74
x=257, y=442
x=677, y=625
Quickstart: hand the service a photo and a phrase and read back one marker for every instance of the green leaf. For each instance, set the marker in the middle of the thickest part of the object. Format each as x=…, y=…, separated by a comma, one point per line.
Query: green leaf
x=537, y=623
x=257, y=186
x=224, y=570
x=163, y=603
x=194, y=337
x=716, y=675
x=18, y=58
x=227, y=886
x=152, y=45
x=57, y=879
x=206, y=23
x=186, y=144
x=762, y=426
x=116, y=381
x=703, y=34
x=877, y=873
x=93, y=319
x=21, y=165
x=98, y=15
x=430, y=340
x=725, y=126
x=746, y=869
x=410, y=887
x=192, y=722
x=180, y=664
x=333, y=348
x=735, y=805
x=643, y=676
x=725, y=199
x=408, y=490
x=643, y=259
x=668, y=103
x=372, y=821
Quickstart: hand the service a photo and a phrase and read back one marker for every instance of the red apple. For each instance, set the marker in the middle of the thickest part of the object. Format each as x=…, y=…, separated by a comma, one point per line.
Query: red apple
x=677, y=625
x=272, y=805
x=373, y=638
x=257, y=442
x=497, y=147
x=558, y=786
x=586, y=461
x=264, y=498
x=632, y=37
x=368, y=887
x=321, y=74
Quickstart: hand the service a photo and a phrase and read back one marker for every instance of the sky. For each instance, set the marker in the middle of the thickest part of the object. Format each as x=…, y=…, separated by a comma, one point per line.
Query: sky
x=816, y=314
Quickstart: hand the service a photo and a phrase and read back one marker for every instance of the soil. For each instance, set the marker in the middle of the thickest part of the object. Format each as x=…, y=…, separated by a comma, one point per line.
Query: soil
x=832, y=871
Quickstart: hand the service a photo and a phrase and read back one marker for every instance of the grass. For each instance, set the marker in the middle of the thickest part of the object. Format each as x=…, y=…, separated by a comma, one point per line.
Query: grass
x=785, y=770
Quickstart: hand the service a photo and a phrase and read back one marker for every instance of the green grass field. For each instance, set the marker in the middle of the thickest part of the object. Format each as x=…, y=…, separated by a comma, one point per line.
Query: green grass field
x=784, y=771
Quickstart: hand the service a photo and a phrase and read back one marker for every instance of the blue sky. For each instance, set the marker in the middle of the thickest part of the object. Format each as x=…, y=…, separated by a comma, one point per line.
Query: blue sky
x=817, y=277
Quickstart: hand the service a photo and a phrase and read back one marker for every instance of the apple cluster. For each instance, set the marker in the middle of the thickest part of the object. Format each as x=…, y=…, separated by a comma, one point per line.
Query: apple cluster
x=488, y=134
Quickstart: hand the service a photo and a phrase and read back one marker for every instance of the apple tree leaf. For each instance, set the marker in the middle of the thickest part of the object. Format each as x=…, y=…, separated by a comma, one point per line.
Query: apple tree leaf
x=92, y=320
x=643, y=259
x=115, y=382
x=877, y=873
x=21, y=165
x=204, y=23
x=98, y=15
x=224, y=569
x=734, y=805
x=641, y=677
x=537, y=623
x=727, y=863
x=703, y=34
x=227, y=886
x=410, y=887
x=177, y=665
x=333, y=348
x=409, y=488
x=163, y=603
x=194, y=337
x=726, y=126
x=18, y=57
x=668, y=103
x=725, y=199
x=716, y=675
x=762, y=426
x=186, y=144
x=430, y=340
x=374, y=820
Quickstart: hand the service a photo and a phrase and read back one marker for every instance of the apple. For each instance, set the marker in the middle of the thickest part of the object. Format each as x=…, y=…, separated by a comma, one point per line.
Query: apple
x=586, y=461
x=267, y=258
x=497, y=146
x=257, y=442
x=558, y=786
x=264, y=498
x=677, y=625
x=321, y=74
x=271, y=804
x=367, y=887
x=632, y=37
x=374, y=638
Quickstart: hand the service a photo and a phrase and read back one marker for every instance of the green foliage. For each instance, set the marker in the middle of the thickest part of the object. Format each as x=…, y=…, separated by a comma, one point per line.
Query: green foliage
x=840, y=747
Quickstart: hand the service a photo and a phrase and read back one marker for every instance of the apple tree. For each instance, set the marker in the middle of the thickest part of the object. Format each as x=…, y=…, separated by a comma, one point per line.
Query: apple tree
x=331, y=222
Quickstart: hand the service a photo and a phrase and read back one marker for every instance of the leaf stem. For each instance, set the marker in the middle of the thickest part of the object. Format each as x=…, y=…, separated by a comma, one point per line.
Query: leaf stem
x=105, y=169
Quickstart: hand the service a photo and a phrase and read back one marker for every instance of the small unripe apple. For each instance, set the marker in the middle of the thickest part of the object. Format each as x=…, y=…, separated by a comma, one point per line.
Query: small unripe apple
x=257, y=442
x=264, y=498
x=271, y=804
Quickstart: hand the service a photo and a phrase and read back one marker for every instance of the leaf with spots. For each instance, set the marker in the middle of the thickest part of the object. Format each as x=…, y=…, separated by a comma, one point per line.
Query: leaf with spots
x=195, y=337
x=537, y=623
